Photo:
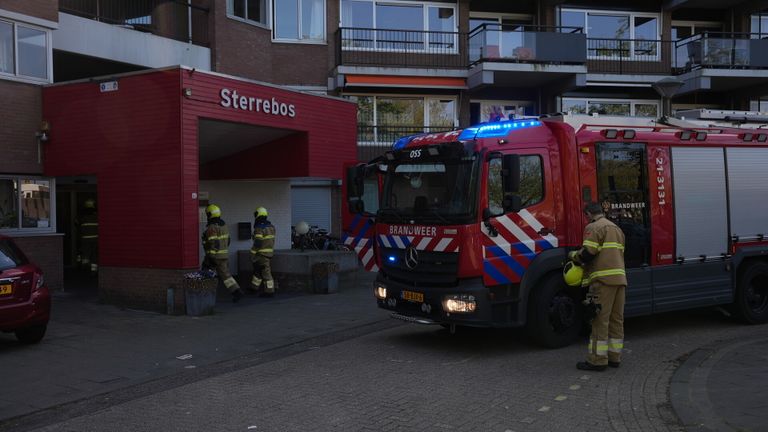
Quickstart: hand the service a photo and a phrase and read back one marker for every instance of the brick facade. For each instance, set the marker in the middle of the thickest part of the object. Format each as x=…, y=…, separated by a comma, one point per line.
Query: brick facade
x=47, y=253
x=142, y=288
x=45, y=9
x=21, y=113
x=247, y=50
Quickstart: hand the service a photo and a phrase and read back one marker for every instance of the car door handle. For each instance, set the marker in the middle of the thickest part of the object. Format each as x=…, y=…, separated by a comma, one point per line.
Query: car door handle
x=545, y=231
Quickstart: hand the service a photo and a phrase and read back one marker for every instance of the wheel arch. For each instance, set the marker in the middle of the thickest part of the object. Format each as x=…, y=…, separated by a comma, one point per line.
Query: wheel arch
x=545, y=263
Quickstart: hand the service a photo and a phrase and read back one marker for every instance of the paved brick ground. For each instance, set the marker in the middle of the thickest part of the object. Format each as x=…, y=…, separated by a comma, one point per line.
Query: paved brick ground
x=412, y=378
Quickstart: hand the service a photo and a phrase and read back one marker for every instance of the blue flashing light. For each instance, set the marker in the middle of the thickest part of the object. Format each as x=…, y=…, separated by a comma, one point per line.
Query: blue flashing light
x=497, y=129
x=402, y=142
x=391, y=258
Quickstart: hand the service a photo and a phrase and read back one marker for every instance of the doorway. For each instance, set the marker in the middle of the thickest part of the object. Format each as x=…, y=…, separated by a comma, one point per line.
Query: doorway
x=73, y=195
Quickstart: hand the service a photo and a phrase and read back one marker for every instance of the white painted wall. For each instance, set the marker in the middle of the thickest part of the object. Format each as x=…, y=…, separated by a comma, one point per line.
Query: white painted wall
x=96, y=39
x=238, y=200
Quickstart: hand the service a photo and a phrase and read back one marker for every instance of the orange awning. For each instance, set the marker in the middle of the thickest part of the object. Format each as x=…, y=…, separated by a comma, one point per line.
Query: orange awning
x=405, y=81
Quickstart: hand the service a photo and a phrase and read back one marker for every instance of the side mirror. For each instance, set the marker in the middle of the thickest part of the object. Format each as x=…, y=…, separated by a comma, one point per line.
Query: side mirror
x=512, y=203
x=355, y=176
x=510, y=173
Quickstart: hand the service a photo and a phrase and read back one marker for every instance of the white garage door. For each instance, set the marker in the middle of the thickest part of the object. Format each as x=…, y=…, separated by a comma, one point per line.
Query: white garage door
x=312, y=205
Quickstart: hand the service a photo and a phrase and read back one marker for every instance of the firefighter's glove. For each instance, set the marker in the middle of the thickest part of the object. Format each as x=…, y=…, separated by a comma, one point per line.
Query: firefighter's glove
x=574, y=256
x=591, y=309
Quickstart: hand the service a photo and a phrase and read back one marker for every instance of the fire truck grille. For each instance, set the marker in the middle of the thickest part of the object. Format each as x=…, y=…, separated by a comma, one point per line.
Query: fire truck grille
x=432, y=269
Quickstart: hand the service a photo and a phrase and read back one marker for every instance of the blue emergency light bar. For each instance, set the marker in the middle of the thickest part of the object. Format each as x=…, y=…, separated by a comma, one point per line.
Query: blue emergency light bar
x=402, y=142
x=496, y=129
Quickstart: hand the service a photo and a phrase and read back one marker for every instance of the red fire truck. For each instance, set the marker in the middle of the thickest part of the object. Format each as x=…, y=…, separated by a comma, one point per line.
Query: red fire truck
x=472, y=227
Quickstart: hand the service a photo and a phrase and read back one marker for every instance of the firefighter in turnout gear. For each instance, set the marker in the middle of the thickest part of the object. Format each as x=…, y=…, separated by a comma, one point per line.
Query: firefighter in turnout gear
x=602, y=256
x=262, y=252
x=215, y=244
x=88, y=226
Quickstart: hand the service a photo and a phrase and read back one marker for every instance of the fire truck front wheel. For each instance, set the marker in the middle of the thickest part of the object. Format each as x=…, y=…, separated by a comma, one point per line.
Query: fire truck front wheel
x=554, y=313
x=751, y=303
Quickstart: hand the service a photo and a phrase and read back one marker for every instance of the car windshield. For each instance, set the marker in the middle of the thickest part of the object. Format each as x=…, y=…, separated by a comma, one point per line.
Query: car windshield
x=10, y=256
x=431, y=192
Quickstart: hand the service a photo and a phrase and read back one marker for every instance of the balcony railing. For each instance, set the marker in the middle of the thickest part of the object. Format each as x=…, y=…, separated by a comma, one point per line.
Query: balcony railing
x=629, y=56
x=721, y=51
x=403, y=48
x=373, y=141
x=527, y=44
x=174, y=19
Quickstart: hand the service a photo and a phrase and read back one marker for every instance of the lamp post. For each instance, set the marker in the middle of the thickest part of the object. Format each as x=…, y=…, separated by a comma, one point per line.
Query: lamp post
x=667, y=88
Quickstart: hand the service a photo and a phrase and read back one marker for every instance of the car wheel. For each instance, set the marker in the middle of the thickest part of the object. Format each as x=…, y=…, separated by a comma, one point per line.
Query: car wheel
x=31, y=335
x=751, y=303
x=554, y=315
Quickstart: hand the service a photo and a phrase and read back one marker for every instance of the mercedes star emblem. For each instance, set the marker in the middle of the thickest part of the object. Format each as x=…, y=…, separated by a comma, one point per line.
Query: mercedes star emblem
x=411, y=257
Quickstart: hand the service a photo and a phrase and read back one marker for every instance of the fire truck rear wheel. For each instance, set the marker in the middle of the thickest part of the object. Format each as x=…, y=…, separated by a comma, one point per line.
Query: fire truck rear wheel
x=751, y=302
x=554, y=313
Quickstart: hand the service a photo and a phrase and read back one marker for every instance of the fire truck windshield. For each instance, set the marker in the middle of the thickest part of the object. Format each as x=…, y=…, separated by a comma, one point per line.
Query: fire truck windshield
x=441, y=192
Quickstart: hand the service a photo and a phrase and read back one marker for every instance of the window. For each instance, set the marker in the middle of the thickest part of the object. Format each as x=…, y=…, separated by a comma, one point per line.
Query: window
x=24, y=51
x=302, y=20
x=615, y=107
x=254, y=11
x=383, y=119
x=401, y=26
x=531, y=183
x=613, y=34
x=25, y=204
x=759, y=26
x=481, y=111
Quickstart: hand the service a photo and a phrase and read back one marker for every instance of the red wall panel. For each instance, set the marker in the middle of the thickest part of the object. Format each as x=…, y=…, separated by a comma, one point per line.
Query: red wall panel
x=129, y=139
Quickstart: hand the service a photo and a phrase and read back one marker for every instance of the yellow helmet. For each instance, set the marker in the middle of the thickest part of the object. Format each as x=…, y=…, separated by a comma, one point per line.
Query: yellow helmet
x=90, y=203
x=213, y=211
x=573, y=273
x=261, y=211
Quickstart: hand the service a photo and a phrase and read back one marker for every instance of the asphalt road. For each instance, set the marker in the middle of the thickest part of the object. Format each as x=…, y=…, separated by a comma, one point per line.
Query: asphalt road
x=415, y=378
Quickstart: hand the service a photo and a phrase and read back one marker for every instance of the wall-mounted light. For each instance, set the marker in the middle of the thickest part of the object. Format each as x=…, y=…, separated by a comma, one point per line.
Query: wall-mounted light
x=187, y=92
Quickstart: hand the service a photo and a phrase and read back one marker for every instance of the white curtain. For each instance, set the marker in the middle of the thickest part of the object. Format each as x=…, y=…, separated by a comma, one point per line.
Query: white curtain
x=316, y=12
x=6, y=47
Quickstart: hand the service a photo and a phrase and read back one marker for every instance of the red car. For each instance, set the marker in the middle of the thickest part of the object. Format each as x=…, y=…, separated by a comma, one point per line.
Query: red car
x=25, y=302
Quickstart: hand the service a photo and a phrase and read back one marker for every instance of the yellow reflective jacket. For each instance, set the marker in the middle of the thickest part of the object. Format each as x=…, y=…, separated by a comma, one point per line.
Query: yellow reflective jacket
x=263, y=239
x=216, y=239
x=605, y=240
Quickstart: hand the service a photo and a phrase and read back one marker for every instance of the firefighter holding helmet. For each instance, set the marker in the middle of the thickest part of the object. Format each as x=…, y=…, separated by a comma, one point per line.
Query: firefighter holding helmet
x=215, y=243
x=602, y=258
x=262, y=252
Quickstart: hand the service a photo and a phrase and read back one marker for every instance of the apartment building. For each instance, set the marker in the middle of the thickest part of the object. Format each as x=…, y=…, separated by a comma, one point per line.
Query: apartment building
x=408, y=66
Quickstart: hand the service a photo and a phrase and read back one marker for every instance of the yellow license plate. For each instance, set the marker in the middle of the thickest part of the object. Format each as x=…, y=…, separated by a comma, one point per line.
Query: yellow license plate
x=6, y=289
x=413, y=296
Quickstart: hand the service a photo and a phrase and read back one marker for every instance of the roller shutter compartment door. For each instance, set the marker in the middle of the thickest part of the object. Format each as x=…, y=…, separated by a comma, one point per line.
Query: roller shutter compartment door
x=748, y=191
x=312, y=205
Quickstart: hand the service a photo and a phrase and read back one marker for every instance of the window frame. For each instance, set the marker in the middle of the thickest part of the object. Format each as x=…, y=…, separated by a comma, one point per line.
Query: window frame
x=631, y=15
x=231, y=14
x=15, y=76
x=19, y=230
x=424, y=28
x=632, y=103
x=425, y=107
x=543, y=182
x=299, y=40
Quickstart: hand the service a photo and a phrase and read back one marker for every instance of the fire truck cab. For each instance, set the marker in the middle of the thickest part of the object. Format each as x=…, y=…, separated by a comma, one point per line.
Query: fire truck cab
x=472, y=227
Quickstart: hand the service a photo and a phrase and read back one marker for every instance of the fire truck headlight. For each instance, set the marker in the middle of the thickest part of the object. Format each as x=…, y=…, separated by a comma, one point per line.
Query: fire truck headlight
x=380, y=291
x=459, y=303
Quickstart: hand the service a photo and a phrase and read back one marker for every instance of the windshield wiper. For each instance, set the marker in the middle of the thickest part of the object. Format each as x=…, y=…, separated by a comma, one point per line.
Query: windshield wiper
x=393, y=211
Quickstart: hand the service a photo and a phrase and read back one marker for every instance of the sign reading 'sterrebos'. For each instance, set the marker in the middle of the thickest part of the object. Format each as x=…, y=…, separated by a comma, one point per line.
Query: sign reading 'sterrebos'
x=230, y=98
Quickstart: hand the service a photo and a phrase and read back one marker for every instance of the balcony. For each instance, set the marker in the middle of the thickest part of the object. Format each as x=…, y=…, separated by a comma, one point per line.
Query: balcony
x=400, y=48
x=630, y=56
x=721, y=61
x=174, y=19
x=373, y=141
x=526, y=56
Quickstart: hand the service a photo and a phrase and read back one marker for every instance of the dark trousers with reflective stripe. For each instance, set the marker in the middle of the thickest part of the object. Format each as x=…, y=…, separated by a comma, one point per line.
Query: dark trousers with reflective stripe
x=222, y=270
x=607, y=339
x=262, y=271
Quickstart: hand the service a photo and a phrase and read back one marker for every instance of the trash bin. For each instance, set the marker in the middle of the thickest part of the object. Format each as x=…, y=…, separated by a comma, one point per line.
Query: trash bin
x=325, y=278
x=200, y=292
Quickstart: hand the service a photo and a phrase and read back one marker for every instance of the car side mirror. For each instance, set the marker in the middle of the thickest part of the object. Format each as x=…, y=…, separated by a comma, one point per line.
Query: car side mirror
x=512, y=203
x=510, y=173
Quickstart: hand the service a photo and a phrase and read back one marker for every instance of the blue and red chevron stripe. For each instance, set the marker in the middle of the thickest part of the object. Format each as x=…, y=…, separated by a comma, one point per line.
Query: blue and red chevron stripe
x=360, y=239
x=508, y=255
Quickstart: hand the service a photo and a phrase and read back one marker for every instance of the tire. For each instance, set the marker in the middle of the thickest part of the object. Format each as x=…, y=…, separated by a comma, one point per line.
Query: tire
x=555, y=315
x=31, y=335
x=751, y=300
